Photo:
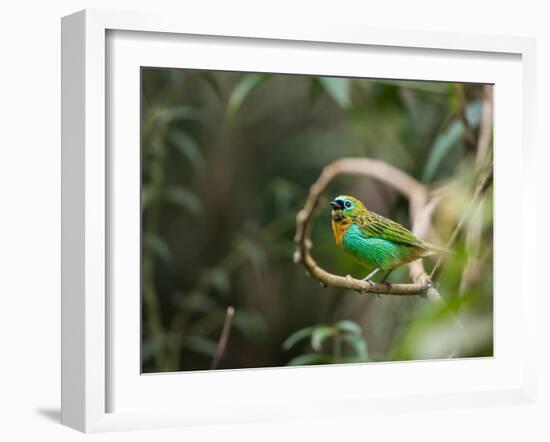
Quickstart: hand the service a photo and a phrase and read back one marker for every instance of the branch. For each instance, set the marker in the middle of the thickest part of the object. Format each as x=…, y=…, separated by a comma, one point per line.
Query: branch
x=462, y=104
x=222, y=343
x=486, y=126
x=471, y=273
x=348, y=282
x=418, y=201
x=421, y=228
x=483, y=184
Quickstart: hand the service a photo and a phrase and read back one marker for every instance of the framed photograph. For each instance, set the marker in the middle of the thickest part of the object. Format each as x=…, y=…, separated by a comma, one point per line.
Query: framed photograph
x=272, y=222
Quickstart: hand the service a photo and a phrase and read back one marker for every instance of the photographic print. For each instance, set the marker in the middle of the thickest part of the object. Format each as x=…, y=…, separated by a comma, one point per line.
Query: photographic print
x=292, y=220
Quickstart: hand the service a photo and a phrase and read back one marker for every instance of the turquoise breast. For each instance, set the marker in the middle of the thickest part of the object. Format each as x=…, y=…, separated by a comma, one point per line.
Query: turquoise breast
x=373, y=252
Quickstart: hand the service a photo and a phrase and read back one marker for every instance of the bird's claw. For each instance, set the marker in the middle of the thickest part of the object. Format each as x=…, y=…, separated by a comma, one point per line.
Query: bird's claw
x=371, y=283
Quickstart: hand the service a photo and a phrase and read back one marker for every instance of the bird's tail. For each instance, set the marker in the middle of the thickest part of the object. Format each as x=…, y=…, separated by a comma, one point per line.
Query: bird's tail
x=434, y=248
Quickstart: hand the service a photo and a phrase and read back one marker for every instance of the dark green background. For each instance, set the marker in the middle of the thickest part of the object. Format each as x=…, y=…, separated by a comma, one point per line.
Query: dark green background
x=227, y=161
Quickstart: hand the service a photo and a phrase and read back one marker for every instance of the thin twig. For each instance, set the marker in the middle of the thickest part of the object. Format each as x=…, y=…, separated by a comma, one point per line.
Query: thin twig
x=222, y=343
x=462, y=103
x=483, y=184
x=486, y=127
x=471, y=273
x=421, y=228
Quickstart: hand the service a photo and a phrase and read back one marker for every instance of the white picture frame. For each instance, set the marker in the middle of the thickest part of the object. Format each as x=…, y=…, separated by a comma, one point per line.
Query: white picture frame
x=91, y=327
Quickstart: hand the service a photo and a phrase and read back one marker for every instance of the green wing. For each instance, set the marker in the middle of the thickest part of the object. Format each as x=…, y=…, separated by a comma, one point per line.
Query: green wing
x=376, y=226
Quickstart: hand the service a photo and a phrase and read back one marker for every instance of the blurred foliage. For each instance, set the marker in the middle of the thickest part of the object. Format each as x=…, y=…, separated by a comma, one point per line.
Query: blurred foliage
x=227, y=160
x=347, y=344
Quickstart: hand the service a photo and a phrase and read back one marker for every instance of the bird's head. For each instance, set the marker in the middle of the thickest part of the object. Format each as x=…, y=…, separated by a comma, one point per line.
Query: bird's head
x=344, y=206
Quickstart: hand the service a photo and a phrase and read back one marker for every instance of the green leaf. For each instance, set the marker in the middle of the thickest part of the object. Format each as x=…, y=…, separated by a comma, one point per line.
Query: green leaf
x=155, y=243
x=200, y=344
x=251, y=324
x=449, y=139
x=247, y=84
x=314, y=90
x=473, y=114
x=177, y=78
x=350, y=327
x=296, y=337
x=359, y=346
x=185, y=198
x=419, y=86
x=188, y=147
x=148, y=349
x=443, y=143
x=284, y=192
x=219, y=279
x=175, y=113
x=211, y=80
x=148, y=194
x=257, y=255
x=310, y=359
x=198, y=302
x=339, y=89
x=319, y=334
x=156, y=144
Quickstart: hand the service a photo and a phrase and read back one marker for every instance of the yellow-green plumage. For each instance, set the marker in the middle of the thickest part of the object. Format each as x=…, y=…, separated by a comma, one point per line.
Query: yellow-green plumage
x=373, y=240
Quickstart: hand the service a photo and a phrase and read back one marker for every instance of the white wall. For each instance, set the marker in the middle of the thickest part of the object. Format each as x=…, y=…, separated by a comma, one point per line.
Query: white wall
x=30, y=219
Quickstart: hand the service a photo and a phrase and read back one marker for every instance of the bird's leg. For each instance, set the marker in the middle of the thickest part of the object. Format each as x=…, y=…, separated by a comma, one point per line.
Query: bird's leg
x=384, y=280
x=370, y=275
x=386, y=275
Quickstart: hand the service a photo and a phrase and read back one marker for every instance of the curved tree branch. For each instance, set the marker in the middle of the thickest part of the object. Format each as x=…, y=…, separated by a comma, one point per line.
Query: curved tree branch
x=420, y=208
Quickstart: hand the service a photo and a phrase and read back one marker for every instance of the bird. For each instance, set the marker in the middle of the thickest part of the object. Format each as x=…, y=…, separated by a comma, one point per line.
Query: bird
x=373, y=240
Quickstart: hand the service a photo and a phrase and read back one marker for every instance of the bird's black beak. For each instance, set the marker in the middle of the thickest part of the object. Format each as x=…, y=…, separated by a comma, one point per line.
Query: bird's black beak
x=336, y=205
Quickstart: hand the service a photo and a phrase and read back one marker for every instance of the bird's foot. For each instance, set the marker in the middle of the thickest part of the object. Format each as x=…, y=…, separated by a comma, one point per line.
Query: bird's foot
x=370, y=275
x=369, y=281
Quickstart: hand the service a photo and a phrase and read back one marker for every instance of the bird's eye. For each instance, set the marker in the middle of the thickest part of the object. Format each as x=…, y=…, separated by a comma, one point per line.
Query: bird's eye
x=348, y=204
